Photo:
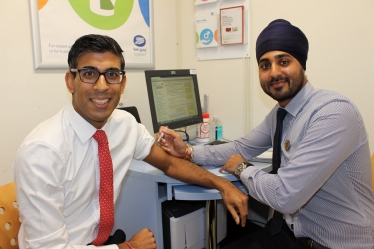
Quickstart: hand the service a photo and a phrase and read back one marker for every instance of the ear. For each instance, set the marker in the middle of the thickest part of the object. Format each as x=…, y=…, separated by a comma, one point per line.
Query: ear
x=123, y=84
x=69, y=79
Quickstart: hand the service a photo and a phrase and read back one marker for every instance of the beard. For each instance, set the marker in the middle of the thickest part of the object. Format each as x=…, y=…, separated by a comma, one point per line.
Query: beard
x=282, y=94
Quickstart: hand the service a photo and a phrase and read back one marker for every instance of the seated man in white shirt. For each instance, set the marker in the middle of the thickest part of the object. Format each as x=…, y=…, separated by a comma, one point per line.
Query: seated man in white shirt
x=57, y=168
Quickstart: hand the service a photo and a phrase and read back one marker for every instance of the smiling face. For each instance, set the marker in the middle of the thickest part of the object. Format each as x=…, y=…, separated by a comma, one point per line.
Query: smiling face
x=95, y=102
x=281, y=76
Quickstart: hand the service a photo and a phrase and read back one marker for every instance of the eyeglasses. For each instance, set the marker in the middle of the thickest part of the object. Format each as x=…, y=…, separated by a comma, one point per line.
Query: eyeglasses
x=91, y=75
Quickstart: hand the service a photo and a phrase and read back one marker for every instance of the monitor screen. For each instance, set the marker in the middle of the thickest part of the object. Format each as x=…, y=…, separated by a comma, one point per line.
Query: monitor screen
x=174, y=98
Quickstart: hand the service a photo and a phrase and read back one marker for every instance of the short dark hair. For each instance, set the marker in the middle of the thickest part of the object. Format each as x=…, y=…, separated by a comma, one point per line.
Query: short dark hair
x=94, y=43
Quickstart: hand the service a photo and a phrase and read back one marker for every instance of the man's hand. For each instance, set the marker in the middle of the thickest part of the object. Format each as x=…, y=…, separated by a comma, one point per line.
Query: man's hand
x=172, y=142
x=236, y=203
x=141, y=240
x=231, y=164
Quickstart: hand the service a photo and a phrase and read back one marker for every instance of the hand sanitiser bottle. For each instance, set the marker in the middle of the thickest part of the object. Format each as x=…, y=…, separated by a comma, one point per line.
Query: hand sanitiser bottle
x=218, y=127
x=202, y=130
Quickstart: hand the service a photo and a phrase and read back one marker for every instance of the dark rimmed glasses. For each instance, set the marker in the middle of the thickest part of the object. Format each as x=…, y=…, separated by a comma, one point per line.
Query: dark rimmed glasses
x=91, y=75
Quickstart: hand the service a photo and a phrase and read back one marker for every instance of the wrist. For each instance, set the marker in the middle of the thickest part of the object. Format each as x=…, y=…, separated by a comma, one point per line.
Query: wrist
x=222, y=184
x=129, y=245
x=188, y=152
x=241, y=167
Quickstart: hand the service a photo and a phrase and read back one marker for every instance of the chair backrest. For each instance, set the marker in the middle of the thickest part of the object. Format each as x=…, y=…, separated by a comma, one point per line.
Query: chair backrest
x=9, y=217
x=133, y=110
x=372, y=169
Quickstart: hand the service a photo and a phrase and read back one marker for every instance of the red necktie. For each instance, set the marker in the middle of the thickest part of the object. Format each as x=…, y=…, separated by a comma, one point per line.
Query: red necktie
x=106, y=189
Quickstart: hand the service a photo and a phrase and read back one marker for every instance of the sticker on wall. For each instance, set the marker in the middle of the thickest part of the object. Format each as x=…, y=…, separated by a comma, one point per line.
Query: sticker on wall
x=206, y=30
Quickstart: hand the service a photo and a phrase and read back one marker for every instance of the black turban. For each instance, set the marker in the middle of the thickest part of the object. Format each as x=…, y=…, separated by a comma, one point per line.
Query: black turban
x=282, y=35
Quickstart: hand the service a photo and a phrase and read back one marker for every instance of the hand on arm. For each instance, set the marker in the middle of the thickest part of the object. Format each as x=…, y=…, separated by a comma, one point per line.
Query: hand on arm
x=144, y=239
x=172, y=142
x=236, y=201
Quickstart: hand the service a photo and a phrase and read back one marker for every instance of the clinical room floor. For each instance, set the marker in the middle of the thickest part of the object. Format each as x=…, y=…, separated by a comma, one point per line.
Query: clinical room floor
x=235, y=232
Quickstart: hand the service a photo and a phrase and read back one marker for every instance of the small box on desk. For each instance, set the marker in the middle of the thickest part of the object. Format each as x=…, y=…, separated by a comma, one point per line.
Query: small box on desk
x=184, y=224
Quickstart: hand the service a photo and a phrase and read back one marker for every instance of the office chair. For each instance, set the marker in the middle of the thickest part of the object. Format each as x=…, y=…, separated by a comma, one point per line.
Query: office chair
x=9, y=217
x=133, y=110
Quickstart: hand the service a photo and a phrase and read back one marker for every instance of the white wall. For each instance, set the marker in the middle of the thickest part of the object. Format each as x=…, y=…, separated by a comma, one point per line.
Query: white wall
x=341, y=38
x=340, y=33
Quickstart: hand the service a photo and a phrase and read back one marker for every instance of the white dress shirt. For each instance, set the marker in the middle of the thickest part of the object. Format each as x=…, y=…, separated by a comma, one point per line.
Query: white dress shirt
x=324, y=182
x=57, y=177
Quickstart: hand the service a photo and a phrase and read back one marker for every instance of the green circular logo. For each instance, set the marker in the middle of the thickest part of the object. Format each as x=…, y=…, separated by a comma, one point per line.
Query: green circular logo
x=103, y=14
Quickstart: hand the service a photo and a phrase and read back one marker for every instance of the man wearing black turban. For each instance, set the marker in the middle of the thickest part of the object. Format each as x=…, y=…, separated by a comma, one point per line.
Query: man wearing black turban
x=279, y=41
x=320, y=186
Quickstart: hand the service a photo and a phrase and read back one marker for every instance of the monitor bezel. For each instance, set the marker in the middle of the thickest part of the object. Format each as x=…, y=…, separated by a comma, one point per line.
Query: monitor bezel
x=170, y=73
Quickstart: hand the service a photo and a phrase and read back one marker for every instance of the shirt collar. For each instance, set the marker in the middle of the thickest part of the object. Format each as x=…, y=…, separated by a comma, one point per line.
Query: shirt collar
x=82, y=128
x=299, y=100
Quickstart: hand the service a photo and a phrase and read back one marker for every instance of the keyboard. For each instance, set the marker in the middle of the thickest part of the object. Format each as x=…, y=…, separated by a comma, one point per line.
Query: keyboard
x=216, y=142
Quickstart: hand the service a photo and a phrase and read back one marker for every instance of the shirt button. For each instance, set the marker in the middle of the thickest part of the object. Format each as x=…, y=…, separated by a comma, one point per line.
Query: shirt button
x=296, y=218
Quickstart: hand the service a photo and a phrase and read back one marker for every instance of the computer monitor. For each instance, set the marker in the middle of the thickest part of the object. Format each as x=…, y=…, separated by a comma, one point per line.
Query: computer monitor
x=174, y=98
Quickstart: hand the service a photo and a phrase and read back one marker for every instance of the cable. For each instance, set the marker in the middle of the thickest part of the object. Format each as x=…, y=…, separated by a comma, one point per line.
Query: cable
x=185, y=132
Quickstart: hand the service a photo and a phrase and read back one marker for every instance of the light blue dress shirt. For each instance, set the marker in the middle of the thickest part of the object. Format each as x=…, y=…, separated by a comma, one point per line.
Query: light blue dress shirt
x=324, y=185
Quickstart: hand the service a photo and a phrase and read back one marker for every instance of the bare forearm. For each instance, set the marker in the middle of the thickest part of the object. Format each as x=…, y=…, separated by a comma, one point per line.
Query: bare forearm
x=190, y=173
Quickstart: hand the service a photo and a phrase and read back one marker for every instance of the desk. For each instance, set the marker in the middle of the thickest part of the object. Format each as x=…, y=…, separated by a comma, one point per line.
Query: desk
x=144, y=188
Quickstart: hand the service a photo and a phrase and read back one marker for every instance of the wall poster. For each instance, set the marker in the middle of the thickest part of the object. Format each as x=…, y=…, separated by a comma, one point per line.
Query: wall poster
x=232, y=23
x=57, y=24
x=206, y=29
x=229, y=29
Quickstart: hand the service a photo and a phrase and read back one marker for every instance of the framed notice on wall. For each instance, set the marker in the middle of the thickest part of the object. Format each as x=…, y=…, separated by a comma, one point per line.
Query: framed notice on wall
x=57, y=24
x=232, y=24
